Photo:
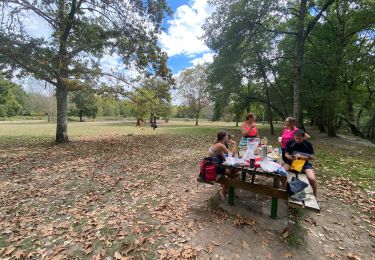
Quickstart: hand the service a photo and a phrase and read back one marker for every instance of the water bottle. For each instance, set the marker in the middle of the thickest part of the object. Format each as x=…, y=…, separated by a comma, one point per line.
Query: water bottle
x=264, y=151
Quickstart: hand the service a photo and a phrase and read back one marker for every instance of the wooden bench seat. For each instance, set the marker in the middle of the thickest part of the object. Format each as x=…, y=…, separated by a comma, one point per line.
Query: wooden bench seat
x=310, y=202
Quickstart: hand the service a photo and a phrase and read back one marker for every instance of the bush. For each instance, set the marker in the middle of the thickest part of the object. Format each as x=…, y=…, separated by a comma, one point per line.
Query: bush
x=3, y=111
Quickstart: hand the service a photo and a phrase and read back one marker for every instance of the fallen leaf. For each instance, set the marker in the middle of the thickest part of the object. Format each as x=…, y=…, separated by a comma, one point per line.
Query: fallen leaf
x=285, y=234
x=19, y=254
x=352, y=256
x=9, y=250
x=288, y=254
x=99, y=255
x=245, y=245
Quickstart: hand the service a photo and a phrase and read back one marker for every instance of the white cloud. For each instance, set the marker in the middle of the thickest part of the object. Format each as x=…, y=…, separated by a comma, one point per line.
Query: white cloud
x=36, y=27
x=206, y=58
x=185, y=30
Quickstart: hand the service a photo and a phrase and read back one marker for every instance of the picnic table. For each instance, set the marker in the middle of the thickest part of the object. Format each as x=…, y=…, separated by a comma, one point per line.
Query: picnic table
x=247, y=182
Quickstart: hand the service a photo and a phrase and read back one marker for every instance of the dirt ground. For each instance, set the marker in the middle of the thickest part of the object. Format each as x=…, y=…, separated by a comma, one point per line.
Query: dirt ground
x=123, y=197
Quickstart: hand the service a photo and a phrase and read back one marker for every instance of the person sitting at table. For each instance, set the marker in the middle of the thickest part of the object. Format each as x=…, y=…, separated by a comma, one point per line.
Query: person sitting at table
x=217, y=151
x=249, y=128
x=230, y=144
x=300, y=148
x=288, y=134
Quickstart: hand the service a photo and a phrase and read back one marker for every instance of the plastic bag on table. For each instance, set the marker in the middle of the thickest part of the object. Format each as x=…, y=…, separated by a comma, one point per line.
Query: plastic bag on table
x=269, y=166
x=233, y=161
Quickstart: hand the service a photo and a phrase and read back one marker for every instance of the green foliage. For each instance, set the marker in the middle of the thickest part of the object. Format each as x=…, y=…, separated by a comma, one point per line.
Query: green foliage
x=153, y=97
x=125, y=108
x=109, y=107
x=86, y=103
x=192, y=87
x=257, y=58
x=35, y=104
x=11, y=98
x=182, y=112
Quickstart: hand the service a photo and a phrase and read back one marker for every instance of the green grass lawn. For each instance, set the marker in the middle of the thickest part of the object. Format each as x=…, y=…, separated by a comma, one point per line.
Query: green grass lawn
x=336, y=156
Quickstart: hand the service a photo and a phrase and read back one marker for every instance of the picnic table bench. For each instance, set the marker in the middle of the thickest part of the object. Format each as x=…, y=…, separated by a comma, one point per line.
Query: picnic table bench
x=310, y=201
x=247, y=182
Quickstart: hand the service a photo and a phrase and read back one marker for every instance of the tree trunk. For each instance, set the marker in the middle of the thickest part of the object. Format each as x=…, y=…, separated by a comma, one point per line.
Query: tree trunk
x=350, y=115
x=270, y=119
x=237, y=118
x=49, y=107
x=372, y=132
x=331, y=113
x=265, y=80
x=196, y=120
x=80, y=116
x=320, y=121
x=330, y=104
x=298, y=68
x=269, y=112
x=62, y=114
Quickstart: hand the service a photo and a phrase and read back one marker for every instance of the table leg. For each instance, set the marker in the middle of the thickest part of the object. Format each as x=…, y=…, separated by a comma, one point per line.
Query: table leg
x=243, y=175
x=231, y=195
x=253, y=178
x=274, y=200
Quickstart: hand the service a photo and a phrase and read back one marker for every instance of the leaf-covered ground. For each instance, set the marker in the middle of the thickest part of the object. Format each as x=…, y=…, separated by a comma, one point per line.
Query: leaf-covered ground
x=121, y=196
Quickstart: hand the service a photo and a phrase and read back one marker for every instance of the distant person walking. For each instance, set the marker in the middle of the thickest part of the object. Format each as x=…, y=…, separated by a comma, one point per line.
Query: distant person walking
x=153, y=123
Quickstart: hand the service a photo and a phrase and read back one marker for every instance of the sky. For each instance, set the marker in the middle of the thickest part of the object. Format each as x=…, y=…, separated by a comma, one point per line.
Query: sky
x=180, y=38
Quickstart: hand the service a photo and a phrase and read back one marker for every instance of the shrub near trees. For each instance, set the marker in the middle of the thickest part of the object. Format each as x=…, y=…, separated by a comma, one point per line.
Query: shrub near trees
x=86, y=103
x=11, y=98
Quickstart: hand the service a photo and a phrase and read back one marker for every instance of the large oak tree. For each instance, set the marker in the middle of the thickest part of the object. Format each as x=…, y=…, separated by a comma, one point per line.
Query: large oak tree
x=79, y=32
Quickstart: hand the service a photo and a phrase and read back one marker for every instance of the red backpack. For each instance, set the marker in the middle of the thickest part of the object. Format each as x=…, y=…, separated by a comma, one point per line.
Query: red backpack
x=208, y=170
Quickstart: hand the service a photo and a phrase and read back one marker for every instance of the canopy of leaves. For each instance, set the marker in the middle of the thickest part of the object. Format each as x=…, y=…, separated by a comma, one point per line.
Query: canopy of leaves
x=255, y=42
x=81, y=32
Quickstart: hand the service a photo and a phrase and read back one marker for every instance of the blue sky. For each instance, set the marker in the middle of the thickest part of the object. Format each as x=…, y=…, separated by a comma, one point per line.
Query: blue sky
x=180, y=38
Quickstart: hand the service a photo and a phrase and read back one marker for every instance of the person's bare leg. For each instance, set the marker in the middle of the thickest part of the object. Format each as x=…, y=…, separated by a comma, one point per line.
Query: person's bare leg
x=283, y=180
x=311, y=177
x=286, y=166
x=223, y=192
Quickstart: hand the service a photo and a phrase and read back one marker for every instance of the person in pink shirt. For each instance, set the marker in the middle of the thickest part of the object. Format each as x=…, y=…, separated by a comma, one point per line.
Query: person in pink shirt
x=249, y=128
x=288, y=134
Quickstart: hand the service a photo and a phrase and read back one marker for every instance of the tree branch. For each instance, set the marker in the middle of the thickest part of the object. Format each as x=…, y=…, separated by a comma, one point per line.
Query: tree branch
x=312, y=23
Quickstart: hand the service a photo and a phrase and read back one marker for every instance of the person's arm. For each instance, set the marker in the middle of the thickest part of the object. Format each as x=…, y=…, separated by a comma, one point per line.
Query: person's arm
x=307, y=136
x=246, y=129
x=223, y=149
x=233, y=146
x=310, y=154
x=304, y=157
x=290, y=157
x=289, y=152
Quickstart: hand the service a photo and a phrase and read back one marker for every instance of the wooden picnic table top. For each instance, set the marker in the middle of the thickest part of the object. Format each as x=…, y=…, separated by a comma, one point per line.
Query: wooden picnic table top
x=256, y=170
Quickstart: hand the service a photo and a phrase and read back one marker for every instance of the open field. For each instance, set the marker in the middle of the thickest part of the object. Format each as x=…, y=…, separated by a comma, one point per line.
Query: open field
x=117, y=191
